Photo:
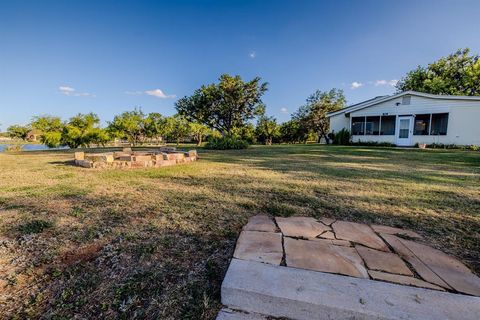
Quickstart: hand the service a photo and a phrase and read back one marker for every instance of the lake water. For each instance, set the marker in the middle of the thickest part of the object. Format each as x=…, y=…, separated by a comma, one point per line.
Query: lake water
x=31, y=147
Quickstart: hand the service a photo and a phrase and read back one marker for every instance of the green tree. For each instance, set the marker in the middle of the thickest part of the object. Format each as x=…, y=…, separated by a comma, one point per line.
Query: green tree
x=98, y=136
x=51, y=128
x=129, y=125
x=292, y=132
x=226, y=105
x=456, y=74
x=80, y=130
x=245, y=133
x=177, y=128
x=267, y=129
x=18, y=132
x=199, y=131
x=154, y=125
x=313, y=115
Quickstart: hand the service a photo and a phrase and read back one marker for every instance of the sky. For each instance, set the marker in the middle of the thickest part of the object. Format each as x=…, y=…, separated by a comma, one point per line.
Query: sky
x=65, y=57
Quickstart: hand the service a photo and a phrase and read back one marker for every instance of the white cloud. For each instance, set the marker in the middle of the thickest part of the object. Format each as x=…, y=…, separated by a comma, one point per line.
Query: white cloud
x=356, y=85
x=252, y=54
x=69, y=91
x=284, y=110
x=391, y=83
x=159, y=94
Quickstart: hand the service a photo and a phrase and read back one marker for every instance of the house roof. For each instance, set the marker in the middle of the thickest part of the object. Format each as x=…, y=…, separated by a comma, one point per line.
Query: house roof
x=380, y=99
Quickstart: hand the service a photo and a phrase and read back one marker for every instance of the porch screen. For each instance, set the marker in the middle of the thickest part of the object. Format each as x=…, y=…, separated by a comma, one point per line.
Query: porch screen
x=387, y=125
x=358, y=125
x=372, y=126
x=439, y=124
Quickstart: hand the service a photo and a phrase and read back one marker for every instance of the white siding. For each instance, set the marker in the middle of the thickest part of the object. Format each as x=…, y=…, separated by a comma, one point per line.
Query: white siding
x=339, y=122
x=463, y=120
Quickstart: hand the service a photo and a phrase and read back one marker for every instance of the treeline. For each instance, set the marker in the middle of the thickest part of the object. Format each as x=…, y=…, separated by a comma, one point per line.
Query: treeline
x=229, y=114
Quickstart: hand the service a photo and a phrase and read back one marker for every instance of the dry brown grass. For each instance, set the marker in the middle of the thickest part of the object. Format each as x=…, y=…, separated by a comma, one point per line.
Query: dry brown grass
x=155, y=243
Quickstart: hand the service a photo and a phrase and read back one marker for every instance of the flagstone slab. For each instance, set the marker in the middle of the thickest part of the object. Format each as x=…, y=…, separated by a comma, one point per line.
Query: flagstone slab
x=327, y=221
x=451, y=270
x=321, y=256
x=260, y=223
x=259, y=246
x=358, y=233
x=395, y=278
x=383, y=261
x=290, y=293
x=420, y=267
x=301, y=227
x=327, y=235
x=335, y=242
x=395, y=231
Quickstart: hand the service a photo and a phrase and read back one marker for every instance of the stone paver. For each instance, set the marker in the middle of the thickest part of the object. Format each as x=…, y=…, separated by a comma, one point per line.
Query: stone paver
x=335, y=242
x=290, y=293
x=321, y=256
x=260, y=223
x=404, y=283
x=411, y=281
x=259, y=246
x=358, y=233
x=392, y=230
x=327, y=221
x=421, y=268
x=327, y=235
x=301, y=227
x=452, y=271
x=383, y=261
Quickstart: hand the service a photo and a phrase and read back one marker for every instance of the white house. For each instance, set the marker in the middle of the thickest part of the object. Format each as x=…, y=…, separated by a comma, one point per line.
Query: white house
x=410, y=117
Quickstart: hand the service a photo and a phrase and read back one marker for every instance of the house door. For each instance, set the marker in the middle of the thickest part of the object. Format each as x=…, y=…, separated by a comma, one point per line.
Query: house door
x=404, y=131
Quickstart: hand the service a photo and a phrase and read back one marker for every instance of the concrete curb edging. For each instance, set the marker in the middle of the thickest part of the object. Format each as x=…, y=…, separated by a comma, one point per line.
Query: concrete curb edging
x=304, y=295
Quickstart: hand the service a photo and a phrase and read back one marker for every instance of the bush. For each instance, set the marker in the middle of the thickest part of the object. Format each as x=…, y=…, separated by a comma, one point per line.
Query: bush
x=342, y=137
x=34, y=226
x=453, y=146
x=225, y=143
x=372, y=144
x=14, y=148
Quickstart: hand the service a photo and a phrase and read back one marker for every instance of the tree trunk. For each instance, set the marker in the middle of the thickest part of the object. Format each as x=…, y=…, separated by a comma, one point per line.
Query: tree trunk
x=199, y=140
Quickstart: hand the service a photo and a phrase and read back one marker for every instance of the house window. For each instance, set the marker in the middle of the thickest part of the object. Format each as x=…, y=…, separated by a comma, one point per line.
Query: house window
x=422, y=125
x=372, y=126
x=387, y=127
x=439, y=124
x=358, y=126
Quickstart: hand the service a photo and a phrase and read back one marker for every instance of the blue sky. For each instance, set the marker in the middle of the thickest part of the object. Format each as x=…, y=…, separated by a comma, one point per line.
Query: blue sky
x=65, y=57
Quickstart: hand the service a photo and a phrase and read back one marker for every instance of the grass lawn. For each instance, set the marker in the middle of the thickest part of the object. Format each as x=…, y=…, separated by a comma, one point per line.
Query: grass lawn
x=155, y=243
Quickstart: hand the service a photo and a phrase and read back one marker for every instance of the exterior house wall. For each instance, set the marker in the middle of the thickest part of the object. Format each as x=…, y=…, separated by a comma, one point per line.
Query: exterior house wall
x=339, y=122
x=463, y=120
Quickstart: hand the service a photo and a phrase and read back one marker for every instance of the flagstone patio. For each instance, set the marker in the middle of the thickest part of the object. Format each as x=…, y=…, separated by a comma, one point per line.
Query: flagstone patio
x=373, y=252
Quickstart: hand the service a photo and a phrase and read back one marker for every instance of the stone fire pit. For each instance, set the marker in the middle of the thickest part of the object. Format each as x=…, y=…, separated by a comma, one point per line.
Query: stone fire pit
x=162, y=157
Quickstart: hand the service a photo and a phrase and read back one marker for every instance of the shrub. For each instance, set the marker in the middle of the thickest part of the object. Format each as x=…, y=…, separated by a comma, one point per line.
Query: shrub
x=453, y=146
x=372, y=144
x=14, y=148
x=342, y=137
x=34, y=226
x=225, y=143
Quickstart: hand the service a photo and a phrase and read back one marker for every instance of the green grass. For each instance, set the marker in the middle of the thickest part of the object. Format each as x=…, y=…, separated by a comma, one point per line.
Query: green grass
x=155, y=243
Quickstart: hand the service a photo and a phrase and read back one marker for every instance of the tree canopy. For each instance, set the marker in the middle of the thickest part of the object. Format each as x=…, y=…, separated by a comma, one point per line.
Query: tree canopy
x=128, y=125
x=226, y=105
x=18, y=131
x=82, y=130
x=267, y=129
x=51, y=128
x=313, y=115
x=456, y=74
